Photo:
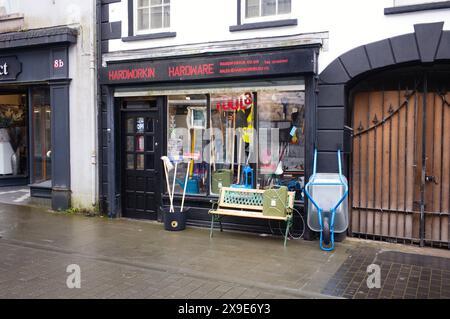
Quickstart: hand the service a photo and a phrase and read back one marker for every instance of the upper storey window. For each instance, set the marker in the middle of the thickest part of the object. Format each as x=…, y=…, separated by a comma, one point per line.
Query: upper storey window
x=152, y=16
x=265, y=10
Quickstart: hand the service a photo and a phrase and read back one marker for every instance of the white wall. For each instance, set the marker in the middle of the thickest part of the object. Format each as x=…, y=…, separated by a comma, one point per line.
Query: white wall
x=83, y=108
x=350, y=23
x=47, y=13
x=78, y=14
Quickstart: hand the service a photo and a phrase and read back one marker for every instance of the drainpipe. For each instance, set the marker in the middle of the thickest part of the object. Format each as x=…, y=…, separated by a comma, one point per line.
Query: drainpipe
x=93, y=71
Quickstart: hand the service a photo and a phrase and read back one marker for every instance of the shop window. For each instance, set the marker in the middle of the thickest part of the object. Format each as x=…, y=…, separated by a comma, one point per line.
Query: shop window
x=188, y=141
x=265, y=10
x=281, y=139
x=248, y=139
x=13, y=135
x=151, y=16
x=232, y=138
x=42, y=142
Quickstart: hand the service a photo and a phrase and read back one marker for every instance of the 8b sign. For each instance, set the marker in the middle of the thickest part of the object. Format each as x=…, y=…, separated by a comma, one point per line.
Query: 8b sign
x=58, y=64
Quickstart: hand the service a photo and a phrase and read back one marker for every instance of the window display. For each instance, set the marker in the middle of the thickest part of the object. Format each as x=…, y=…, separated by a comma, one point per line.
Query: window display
x=187, y=123
x=13, y=135
x=232, y=123
x=281, y=139
x=249, y=140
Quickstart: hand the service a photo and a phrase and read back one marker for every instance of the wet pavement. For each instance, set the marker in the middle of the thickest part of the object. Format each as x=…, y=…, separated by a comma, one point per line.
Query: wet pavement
x=20, y=195
x=403, y=276
x=122, y=258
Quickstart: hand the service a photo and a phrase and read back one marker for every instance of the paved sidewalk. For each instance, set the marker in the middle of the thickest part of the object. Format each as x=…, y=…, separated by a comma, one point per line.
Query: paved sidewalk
x=134, y=259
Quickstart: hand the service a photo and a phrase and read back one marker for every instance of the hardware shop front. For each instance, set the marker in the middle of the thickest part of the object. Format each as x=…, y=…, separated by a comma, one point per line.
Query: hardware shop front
x=242, y=118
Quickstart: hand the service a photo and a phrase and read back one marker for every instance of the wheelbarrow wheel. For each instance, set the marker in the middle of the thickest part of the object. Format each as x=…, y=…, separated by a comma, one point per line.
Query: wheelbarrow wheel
x=326, y=231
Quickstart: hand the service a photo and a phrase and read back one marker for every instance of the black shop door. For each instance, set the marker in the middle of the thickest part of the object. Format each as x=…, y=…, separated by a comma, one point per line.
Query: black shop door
x=140, y=164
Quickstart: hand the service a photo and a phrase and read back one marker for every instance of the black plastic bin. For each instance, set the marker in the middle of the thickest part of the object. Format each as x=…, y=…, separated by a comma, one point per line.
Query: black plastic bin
x=175, y=221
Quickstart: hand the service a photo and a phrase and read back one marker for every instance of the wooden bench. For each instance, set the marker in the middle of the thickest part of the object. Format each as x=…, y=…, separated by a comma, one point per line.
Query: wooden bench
x=241, y=202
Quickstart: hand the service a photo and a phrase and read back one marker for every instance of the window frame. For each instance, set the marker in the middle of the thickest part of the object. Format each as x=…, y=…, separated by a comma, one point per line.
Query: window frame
x=274, y=17
x=137, y=32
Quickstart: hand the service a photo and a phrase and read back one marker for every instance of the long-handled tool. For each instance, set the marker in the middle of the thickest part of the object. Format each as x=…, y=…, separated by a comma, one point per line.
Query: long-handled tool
x=167, y=168
x=174, y=181
x=241, y=122
x=212, y=143
x=233, y=138
x=185, y=185
x=239, y=158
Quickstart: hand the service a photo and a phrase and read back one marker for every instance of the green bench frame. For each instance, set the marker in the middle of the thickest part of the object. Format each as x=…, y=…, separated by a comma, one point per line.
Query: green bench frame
x=249, y=205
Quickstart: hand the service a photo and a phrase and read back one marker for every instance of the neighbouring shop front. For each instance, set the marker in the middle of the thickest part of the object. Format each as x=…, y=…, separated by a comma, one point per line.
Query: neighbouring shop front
x=34, y=112
x=241, y=118
x=395, y=95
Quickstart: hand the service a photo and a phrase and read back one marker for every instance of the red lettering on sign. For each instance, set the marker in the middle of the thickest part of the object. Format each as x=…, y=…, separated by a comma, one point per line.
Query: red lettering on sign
x=190, y=70
x=131, y=74
x=245, y=70
x=282, y=61
x=235, y=104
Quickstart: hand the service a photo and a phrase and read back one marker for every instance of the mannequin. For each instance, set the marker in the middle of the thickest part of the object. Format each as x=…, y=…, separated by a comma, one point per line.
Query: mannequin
x=6, y=151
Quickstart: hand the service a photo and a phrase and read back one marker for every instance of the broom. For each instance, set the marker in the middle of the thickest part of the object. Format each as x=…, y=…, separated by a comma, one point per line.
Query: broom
x=167, y=168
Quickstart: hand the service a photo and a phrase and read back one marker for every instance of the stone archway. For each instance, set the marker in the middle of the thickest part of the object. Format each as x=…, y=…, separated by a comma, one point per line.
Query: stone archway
x=428, y=44
x=427, y=48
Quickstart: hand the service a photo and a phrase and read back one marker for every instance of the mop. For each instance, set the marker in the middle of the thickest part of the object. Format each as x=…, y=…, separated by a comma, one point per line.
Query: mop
x=167, y=168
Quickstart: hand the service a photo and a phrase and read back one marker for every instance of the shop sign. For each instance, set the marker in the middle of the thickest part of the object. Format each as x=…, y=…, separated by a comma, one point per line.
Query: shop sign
x=10, y=67
x=255, y=64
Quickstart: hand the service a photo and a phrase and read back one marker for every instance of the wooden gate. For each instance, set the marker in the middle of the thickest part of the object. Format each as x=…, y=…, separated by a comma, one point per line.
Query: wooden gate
x=401, y=165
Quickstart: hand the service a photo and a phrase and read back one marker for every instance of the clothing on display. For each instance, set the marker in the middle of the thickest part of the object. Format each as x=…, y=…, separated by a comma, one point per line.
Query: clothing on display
x=6, y=152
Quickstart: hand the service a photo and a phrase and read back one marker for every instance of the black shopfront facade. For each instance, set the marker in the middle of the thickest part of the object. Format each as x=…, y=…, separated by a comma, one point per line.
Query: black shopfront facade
x=205, y=106
x=34, y=112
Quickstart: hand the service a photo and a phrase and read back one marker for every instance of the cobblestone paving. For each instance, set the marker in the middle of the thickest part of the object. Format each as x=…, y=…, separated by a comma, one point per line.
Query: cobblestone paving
x=403, y=276
x=132, y=259
x=118, y=255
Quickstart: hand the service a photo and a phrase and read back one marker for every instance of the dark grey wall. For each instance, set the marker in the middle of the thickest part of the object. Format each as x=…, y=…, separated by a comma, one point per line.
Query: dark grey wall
x=38, y=64
x=59, y=99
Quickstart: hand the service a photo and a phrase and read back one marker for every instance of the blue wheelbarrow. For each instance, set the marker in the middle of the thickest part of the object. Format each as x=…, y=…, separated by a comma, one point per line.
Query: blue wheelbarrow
x=328, y=204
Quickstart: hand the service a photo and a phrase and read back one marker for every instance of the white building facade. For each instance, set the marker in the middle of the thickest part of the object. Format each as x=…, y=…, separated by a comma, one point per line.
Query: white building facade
x=365, y=77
